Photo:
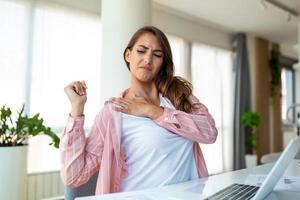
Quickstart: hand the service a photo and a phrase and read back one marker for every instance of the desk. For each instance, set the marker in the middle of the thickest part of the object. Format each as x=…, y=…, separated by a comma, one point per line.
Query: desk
x=200, y=188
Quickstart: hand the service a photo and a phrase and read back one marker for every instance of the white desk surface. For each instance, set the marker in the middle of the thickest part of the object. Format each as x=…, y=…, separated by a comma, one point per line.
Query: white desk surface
x=204, y=187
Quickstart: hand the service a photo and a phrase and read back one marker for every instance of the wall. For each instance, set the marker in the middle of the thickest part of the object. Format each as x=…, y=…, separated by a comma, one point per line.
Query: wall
x=189, y=28
x=171, y=21
x=44, y=185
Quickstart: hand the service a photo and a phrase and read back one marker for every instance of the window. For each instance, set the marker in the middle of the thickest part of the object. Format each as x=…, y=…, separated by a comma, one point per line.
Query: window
x=287, y=92
x=213, y=78
x=213, y=82
x=13, y=59
x=179, y=55
x=64, y=45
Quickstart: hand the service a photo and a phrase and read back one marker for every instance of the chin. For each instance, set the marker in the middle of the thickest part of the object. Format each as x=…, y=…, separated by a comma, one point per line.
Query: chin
x=145, y=79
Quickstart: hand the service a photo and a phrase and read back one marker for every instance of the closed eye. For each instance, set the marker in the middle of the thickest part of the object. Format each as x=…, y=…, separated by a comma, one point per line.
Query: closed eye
x=158, y=55
x=141, y=51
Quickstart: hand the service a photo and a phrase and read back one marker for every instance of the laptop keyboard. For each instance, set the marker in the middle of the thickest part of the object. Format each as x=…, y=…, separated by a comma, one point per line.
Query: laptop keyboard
x=235, y=192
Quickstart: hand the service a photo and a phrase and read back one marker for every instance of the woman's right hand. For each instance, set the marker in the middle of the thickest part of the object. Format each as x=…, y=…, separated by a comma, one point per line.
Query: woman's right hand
x=76, y=92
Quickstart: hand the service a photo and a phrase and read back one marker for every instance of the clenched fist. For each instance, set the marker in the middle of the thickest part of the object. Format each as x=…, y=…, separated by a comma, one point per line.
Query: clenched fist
x=76, y=92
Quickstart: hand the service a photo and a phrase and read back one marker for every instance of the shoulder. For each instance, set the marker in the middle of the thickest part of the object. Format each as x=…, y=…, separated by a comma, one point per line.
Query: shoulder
x=193, y=99
x=104, y=113
x=197, y=105
x=108, y=105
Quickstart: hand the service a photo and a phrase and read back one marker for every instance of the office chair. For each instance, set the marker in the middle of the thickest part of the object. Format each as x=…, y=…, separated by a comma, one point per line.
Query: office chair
x=271, y=157
x=87, y=189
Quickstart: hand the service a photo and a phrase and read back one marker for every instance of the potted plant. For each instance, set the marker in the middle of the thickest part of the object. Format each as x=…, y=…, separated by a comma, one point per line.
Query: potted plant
x=14, y=136
x=251, y=121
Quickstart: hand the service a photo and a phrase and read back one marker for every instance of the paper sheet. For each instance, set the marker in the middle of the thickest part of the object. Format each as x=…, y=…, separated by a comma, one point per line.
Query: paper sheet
x=287, y=183
x=128, y=197
x=138, y=197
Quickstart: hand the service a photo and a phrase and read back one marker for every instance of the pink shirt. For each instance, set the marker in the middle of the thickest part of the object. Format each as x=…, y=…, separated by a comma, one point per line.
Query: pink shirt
x=101, y=150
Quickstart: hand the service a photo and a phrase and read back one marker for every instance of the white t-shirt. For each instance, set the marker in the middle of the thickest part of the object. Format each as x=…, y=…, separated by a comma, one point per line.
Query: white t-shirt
x=154, y=155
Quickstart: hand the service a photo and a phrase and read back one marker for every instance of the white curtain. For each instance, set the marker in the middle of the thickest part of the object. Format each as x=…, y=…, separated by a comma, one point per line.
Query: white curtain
x=178, y=52
x=212, y=78
x=64, y=45
x=13, y=47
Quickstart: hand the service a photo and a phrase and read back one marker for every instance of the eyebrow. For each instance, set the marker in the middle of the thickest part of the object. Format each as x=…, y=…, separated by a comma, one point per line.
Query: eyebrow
x=157, y=50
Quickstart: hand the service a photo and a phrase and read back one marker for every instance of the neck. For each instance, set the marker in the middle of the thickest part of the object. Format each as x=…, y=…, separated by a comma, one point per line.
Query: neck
x=141, y=89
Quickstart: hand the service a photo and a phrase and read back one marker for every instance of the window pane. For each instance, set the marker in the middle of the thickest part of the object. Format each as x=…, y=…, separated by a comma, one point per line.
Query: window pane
x=13, y=41
x=178, y=53
x=212, y=78
x=287, y=94
x=67, y=47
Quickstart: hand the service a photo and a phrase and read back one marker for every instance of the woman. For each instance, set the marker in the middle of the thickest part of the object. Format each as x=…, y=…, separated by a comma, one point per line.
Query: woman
x=147, y=137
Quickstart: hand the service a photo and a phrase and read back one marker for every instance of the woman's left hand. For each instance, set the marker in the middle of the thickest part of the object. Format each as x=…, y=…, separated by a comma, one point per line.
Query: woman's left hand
x=138, y=106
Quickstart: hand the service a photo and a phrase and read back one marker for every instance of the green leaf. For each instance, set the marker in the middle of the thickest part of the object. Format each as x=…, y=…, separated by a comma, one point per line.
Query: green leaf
x=23, y=127
x=251, y=119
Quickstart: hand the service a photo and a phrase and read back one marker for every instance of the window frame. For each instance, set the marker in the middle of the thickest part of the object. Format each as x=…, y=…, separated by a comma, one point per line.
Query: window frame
x=287, y=63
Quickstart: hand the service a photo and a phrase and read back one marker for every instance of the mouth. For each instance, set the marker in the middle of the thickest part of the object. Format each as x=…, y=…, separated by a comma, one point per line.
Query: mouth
x=145, y=68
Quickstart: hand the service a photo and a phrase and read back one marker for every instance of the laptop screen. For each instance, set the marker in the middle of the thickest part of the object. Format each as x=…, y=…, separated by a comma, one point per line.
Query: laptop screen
x=278, y=169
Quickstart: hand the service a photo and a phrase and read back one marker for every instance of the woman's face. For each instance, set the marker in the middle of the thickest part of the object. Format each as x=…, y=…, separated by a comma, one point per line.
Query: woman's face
x=145, y=58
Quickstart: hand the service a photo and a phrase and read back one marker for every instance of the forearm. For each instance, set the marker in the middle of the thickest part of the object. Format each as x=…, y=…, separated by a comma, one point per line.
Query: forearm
x=196, y=127
x=77, y=110
x=77, y=164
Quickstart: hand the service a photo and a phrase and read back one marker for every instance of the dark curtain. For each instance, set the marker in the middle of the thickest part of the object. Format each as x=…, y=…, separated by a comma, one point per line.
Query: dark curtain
x=242, y=98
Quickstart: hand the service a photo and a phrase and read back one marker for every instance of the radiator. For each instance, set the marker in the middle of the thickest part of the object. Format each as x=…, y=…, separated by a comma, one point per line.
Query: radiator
x=44, y=185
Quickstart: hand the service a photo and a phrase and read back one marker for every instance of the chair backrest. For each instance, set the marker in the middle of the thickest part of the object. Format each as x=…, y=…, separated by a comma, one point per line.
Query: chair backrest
x=271, y=157
x=87, y=189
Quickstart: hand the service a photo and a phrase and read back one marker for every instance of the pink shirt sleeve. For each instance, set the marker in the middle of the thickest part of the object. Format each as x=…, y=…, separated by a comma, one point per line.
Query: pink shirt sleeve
x=198, y=126
x=80, y=155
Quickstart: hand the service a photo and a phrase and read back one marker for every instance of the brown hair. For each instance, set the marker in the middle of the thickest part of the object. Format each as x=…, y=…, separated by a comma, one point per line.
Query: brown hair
x=175, y=88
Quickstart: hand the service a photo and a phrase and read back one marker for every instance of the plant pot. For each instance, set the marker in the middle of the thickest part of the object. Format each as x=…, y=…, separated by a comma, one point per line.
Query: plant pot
x=13, y=172
x=251, y=160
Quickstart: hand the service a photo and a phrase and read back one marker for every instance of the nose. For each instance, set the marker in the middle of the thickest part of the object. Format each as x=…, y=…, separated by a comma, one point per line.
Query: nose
x=148, y=58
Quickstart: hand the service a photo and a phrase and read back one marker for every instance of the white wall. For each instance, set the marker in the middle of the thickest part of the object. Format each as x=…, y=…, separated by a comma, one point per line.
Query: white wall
x=191, y=29
x=170, y=21
x=93, y=6
x=288, y=51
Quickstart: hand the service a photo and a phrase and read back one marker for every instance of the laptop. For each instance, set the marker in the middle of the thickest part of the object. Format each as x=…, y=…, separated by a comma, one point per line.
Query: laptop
x=245, y=192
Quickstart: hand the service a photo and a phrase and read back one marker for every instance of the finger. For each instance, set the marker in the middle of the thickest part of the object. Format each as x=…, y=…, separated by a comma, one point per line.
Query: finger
x=79, y=88
x=120, y=100
x=126, y=101
x=83, y=82
x=119, y=108
x=76, y=87
x=70, y=86
x=83, y=88
x=120, y=103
